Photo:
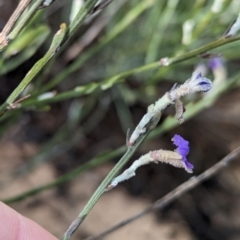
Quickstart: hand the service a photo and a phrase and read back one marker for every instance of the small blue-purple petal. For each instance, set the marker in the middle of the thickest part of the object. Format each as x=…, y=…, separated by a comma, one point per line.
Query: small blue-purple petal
x=183, y=149
x=188, y=166
x=198, y=83
x=203, y=83
x=181, y=144
x=215, y=63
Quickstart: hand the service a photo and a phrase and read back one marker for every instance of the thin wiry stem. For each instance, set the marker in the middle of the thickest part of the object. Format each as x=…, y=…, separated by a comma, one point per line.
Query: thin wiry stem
x=102, y=187
x=168, y=124
x=68, y=176
x=11, y=22
x=145, y=126
x=85, y=10
x=22, y=22
x=58, y=38
x=176, y=193
x=109, y=82
x=130, y=17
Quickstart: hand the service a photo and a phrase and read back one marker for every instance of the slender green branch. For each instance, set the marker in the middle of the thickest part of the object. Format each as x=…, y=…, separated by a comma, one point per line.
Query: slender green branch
x=25, y=45
x=203, y=49
x=197, y=83
x=121, y=26
x=87, y=89
x=57, y=40
x=130, y=17
x=84, y=11
x=22, y=21
x=101, y=189
x=82, y=14
x=168, y=124
x=4, y=39
x=202, y=15
x=175, y=193
x=108, y=83
x=68, y=176
x=25, y=19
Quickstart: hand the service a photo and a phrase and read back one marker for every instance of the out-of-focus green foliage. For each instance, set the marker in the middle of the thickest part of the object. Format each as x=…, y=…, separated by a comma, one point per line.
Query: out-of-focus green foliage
x=128, y=47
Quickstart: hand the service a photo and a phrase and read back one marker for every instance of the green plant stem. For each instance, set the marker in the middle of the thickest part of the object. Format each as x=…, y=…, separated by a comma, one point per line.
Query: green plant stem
x=108, y=83
x=82, y=59
x=25, y=18
x=118, y=28
x=23, y=4
x=174, y=194
x=207, y=18
x=169, y=123
x=161, y=104
x=81, y=15
x=203, y=49
x=101, y=189
x=68, y=176
x=57, y=40
x=203, y=18
x=84, y=11
x=25, y=45
x=87, y=89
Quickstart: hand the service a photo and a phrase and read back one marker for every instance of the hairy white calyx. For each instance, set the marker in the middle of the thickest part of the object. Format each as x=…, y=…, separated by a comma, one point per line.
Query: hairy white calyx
x=197, y=83
x=170, y=157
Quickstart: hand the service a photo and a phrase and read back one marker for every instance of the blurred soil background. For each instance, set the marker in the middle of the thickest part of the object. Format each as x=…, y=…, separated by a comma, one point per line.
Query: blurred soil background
x=42, y=144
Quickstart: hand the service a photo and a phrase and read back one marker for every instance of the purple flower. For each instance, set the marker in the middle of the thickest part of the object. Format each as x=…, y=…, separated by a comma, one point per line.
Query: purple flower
x=216, y=63
x=198, y=83
x=183, y=150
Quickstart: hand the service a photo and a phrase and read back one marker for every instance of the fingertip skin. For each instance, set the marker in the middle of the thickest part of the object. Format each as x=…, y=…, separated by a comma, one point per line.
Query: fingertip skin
x=14, y=226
